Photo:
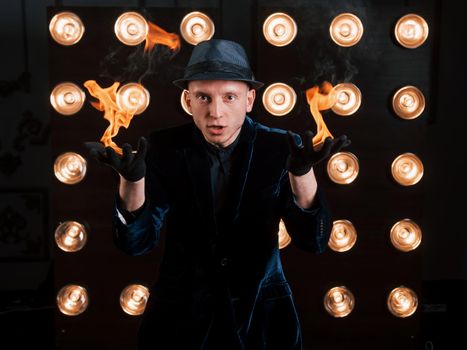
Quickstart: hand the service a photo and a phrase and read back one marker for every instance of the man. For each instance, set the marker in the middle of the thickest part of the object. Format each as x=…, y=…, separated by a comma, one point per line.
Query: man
x=221, y=185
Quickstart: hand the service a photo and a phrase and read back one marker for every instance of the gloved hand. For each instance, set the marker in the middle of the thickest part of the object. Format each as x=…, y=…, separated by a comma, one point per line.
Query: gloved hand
x=131, y=166
x=302, y=158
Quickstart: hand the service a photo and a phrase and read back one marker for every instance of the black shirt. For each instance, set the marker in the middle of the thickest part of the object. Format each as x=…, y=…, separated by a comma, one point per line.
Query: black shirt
x=221, y=161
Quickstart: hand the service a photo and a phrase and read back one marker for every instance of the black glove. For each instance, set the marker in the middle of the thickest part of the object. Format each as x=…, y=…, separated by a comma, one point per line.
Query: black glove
x=302, y=158
x=130, y=165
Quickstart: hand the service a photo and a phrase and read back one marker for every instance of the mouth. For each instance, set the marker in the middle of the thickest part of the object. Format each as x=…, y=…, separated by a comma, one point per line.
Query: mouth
x=216, y=129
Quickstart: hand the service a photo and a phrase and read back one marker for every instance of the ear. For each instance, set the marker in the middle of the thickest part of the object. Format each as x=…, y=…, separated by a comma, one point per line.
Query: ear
x=250, y=99
x=187, y=98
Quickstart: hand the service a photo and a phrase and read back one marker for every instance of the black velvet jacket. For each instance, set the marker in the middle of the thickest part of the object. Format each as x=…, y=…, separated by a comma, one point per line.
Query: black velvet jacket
x=221, y=284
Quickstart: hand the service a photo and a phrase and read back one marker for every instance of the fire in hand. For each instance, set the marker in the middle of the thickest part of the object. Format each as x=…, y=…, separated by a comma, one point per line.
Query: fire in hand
x=120, y=105
x=108, y=104
x=319, y=100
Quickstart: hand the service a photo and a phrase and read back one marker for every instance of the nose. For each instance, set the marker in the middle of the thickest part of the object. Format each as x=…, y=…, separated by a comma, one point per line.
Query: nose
x=215, y=109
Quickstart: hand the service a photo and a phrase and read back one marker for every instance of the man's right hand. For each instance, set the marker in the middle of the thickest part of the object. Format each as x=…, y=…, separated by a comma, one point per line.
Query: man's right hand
x=131, y=166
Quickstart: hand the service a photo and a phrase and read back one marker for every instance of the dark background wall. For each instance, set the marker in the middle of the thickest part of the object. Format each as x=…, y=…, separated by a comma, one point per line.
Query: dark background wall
x=32, y=201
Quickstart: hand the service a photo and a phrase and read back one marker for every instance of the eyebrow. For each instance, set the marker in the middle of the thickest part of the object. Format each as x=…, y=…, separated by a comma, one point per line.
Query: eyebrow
x=228, y=92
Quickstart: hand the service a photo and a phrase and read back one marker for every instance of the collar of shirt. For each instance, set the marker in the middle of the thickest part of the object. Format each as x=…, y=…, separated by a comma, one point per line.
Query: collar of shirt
x=222, y=153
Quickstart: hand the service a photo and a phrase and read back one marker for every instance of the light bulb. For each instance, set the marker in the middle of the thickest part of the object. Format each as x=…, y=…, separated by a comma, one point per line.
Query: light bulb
x=279, y=29
x=279, y=99
x=402, y=302
x=196, y=27
x=348, y=99
x=70, y=168
x=70, y=236
x=343, y=236
x=339, y=301
x=133, y=299
x=411, y=31
x=72, y=300
x=66, y=28
x=346, y=29
x=343, y=168
x=131, y=28
x=67, y=98
x=407, y=169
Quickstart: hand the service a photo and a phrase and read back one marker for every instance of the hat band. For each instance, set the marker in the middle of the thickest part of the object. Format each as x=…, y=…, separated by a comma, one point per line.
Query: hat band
x=218, y=66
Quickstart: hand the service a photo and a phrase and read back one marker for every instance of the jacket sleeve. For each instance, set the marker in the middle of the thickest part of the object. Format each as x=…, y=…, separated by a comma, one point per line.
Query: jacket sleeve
x=308, y=228
x=140, y=234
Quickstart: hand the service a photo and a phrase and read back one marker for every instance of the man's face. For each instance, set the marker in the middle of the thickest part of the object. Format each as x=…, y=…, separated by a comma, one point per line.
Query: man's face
x=219, y=108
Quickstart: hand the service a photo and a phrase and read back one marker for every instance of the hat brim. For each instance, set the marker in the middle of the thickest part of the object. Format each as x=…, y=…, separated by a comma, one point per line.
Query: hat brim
x=183, y=83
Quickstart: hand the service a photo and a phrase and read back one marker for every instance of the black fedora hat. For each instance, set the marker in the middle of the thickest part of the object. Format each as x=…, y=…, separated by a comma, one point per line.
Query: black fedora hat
x=217, y=59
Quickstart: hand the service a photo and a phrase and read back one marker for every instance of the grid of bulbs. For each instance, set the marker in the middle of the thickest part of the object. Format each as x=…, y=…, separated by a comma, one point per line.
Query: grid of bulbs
x=279, y=29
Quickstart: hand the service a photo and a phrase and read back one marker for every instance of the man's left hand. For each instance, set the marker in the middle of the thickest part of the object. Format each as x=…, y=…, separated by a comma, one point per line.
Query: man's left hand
x=303, y=157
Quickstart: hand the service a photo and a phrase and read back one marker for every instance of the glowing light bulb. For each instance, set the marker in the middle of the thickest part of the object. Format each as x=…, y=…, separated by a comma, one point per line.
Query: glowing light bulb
x=66, y=28
x=408, y=102
x=343, y=236
x=70, y=168
x=279, y=99
x=67, y=98
x=348, y=100
x=70, y=236
x=407, y=169
x=133, y=98
x=339, y=301
x=343, y=168
x=72, y=300
x=406, y=235
x=196, y=27
x=279, y=29
x=133, y=299
x=402, y=302
x=131, y=28
x=411, y=31
x=346, y=29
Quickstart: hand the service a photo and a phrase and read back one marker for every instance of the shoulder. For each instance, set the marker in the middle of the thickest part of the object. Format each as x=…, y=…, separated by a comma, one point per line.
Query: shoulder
x=270, y=135
x=280, y=136
x=270, y=141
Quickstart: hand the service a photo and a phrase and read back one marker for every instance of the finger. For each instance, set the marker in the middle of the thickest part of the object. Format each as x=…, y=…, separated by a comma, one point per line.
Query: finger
x=98, y=146
x=347, y=142
x=98, y=155
x=127, y=151
x=112, y=157
x=142, y=148
x=326, y=149
x=309, y=141
x=340, y=143
x=292, y=140
x=96, y=149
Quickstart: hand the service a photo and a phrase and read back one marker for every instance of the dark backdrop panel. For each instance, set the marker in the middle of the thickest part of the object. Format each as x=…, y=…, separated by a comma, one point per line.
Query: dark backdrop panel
x=374, y=202
x=100, y=266
x=378, y=66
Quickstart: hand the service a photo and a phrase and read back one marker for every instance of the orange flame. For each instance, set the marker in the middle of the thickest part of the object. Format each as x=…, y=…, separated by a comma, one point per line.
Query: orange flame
x=319, y=100
x=116, y=116
x=157, y=35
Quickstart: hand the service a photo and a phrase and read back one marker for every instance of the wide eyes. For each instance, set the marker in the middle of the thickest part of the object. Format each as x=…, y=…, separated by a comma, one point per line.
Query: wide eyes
x=206, y=99
x=203, y=98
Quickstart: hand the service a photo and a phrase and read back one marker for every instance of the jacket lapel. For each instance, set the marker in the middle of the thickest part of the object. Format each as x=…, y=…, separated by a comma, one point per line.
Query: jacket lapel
x=245, y=149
